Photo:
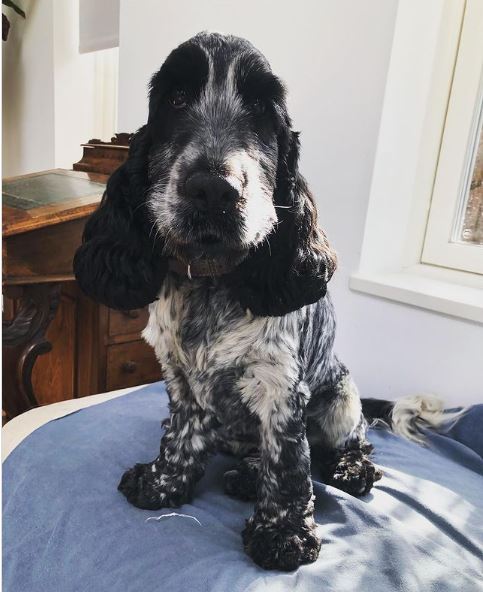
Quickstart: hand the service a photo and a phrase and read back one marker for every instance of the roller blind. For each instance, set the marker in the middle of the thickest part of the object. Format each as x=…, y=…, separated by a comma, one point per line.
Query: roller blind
x=98, y=24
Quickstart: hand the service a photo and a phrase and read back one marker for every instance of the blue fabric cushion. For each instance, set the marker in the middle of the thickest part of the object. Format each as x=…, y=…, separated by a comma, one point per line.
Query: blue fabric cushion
x=469, y=429
x=66, y=527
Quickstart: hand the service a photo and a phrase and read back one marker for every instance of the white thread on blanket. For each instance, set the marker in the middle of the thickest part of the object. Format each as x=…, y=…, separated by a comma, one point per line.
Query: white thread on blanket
x=171, y=515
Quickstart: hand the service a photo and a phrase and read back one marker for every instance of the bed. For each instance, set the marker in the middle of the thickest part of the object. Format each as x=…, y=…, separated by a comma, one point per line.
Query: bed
x=66, y=528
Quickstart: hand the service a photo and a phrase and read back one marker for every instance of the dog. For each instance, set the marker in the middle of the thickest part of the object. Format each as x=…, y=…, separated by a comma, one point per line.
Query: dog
x=210, y=222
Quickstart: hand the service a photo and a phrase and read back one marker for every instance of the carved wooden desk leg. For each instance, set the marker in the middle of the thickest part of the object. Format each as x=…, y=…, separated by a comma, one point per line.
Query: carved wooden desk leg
x=23, y=341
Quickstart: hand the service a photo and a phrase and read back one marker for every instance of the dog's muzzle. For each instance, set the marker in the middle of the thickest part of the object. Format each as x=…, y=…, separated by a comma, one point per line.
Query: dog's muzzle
x=211, y=192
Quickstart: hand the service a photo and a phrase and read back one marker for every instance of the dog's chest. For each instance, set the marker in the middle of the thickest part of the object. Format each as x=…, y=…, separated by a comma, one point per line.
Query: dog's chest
x=195, y=327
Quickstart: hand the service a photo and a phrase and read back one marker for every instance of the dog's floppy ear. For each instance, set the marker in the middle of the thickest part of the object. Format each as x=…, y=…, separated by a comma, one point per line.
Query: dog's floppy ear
x=119, y=263
x=292, y=267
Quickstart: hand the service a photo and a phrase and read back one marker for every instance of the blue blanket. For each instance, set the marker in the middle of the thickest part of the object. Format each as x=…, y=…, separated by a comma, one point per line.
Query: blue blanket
x=66, y=527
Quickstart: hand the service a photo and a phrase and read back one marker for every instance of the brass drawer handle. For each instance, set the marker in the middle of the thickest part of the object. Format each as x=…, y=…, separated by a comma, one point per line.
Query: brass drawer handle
x=131, y=314
x=129, y=367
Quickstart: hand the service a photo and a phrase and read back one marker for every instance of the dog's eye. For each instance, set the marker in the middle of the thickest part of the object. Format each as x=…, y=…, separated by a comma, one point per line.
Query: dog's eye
x=258, y=106
x=178, y=98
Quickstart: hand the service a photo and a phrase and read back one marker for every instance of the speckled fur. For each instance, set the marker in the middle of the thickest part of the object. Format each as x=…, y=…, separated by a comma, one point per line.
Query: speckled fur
x=260, y=387
x=247, y=356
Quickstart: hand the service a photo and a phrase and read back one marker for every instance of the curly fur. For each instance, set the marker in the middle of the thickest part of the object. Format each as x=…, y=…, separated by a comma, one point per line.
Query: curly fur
x=247, y=356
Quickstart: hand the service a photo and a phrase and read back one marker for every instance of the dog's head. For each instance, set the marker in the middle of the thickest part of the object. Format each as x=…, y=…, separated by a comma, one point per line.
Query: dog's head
x=212, y=181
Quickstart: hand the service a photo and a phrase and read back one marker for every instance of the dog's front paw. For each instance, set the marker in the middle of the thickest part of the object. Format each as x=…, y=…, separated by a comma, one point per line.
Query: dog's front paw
x=283, y=546
x=354, y=473
x=146, y=487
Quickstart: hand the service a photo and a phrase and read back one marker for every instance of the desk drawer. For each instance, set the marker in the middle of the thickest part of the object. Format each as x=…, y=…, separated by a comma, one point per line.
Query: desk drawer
x=130, y=364
x=44, y=253
x=125, y=322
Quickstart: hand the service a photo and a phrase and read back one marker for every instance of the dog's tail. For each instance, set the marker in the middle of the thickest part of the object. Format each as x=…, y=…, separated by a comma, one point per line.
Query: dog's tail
x=408, y=417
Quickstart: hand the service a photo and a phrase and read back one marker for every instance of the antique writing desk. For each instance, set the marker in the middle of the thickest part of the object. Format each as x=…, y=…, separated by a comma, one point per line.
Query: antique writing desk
x=84, y=348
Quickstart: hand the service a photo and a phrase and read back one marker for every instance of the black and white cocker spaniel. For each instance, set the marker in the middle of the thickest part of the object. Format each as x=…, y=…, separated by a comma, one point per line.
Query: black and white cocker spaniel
x=210, y=222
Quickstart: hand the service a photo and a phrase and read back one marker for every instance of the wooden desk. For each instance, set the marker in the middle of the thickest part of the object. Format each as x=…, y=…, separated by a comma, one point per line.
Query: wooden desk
x=40, y=237
x=96, y=349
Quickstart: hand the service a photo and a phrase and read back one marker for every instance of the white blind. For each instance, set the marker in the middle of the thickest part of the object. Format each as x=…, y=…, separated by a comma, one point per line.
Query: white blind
x=98, y=24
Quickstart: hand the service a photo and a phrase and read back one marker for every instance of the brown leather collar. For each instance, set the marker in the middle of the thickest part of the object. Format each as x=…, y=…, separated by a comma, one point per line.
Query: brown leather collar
x=199, y=268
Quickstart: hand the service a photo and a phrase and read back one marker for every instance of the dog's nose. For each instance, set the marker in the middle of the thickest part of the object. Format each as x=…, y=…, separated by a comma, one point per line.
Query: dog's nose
x=210, y=191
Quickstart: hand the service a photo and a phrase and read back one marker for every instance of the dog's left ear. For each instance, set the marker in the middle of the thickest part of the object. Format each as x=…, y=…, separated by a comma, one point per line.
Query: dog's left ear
x=292, y=267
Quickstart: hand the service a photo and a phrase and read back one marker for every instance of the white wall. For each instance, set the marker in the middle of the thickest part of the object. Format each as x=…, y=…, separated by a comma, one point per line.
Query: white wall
x=54, y=98
x=334, y=58
x=28, y=90
x=74, y=86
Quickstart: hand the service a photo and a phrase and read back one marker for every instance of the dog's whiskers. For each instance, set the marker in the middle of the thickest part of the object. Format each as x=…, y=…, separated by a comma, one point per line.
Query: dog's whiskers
x=269, y=247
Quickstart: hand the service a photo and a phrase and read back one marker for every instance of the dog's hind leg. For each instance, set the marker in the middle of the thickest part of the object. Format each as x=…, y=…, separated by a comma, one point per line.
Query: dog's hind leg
x=241, y=482
x=336, y=430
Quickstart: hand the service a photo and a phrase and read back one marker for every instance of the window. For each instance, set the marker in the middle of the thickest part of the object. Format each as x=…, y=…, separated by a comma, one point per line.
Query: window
x=454, y=236
x=469, y=226
x=422, y=240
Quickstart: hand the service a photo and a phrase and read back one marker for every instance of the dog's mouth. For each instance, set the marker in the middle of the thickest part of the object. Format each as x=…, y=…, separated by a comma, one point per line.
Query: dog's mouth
x=209, y=254
x=210, y=241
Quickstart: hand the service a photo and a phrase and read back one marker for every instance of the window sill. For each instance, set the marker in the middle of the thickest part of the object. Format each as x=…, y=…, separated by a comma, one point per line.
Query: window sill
x=451, y=292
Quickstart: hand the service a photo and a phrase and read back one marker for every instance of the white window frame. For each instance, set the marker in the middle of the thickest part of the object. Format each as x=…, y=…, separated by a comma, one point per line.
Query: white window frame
x=456, y=160
x=420, y=74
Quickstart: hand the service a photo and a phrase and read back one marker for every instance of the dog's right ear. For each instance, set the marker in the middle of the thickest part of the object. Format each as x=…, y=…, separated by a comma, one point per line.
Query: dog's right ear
x=119, y=263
